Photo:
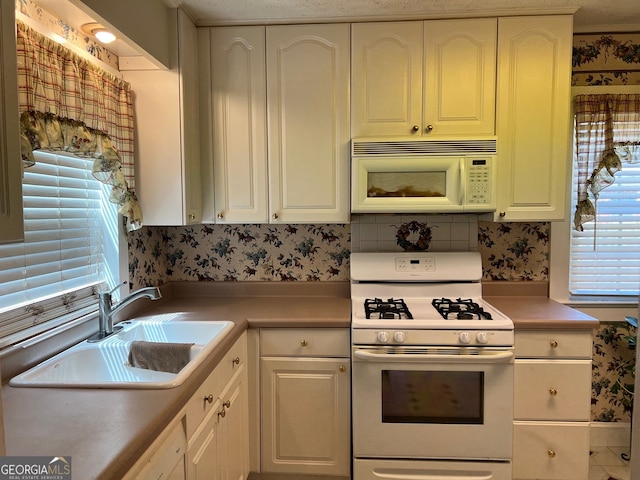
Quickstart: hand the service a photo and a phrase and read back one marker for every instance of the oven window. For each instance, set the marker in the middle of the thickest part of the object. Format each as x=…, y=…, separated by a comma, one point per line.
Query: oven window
x=432, y=397
x=407, y=184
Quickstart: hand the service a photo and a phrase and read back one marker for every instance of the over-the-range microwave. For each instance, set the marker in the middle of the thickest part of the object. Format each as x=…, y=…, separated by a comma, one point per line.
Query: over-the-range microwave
x=416, y=176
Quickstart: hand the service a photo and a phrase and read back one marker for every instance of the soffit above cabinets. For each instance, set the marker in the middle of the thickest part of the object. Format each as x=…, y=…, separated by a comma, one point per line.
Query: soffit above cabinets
x=591, y=15
x=75, y=17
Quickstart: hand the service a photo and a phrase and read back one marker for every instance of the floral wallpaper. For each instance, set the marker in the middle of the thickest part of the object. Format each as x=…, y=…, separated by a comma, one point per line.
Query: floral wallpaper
x=514, y=251
x=229, y=253
x=612, y=384
x=606, y=58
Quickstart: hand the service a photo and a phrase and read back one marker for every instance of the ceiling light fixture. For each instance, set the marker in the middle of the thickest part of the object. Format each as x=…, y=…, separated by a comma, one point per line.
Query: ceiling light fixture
x=99, y=32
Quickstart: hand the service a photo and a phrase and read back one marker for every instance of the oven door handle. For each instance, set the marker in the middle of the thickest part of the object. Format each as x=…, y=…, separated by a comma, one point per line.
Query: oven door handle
x=498, y=357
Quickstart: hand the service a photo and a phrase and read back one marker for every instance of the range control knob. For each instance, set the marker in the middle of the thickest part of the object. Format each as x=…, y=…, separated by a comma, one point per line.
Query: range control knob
x=482, y=337
x=399, y=337
x=383, y=337
x=464, y=337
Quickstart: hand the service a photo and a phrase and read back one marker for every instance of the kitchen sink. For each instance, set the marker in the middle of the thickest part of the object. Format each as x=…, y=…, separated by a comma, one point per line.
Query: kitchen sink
x=105, y=364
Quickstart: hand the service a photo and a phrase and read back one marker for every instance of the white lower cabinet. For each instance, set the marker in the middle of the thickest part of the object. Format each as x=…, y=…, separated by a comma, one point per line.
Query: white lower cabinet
x=305, y=395
x=552, y=404
x=217, y=421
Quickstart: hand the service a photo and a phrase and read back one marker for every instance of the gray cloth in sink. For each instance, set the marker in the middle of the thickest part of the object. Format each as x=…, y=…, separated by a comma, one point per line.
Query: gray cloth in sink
x=162, y=357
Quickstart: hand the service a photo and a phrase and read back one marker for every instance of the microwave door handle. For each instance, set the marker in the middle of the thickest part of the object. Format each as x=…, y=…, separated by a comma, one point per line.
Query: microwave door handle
x=463, y=181
x=499, y=357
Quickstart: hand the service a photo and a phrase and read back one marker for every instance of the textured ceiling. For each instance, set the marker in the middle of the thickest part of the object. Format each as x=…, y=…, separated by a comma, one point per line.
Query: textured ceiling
x=621, y=14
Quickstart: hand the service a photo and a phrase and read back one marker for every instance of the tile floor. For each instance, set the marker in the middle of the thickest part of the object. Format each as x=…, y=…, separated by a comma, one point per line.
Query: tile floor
x=607, y=464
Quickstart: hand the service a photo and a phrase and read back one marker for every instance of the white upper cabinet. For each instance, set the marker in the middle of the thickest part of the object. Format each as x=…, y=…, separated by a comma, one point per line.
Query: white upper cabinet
x=238, y=93
x=308, y=123
x=427, y=78
x=166, y=102
x=10, y=164
x=534, y=117
x=280, y=121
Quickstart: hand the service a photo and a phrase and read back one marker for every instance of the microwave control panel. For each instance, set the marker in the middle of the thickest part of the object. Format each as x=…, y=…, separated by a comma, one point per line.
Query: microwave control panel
x=479, y=182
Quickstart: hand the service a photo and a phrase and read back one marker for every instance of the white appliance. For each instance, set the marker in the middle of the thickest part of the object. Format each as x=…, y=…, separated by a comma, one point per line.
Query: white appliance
x=432, y=370
x=443, y=176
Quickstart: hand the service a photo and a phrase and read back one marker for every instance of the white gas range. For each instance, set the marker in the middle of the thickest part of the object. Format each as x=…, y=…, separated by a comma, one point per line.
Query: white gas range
x=432, y=369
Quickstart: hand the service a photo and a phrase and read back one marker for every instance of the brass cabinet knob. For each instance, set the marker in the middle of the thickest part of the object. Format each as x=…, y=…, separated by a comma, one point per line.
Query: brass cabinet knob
x=223, y=413
x=553, y=344
x=429, y=129
x=220, y=216
x=551, y=453
x=192, y=216
x=208, y=398
x=415, y=128
x=342, y=368
x=303, y=343
x=503, y=214
x=275, y=216
x=553, y=392
x=236, y=361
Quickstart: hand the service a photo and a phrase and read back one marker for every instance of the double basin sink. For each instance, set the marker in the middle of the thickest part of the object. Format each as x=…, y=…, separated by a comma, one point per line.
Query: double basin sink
x=105, y=364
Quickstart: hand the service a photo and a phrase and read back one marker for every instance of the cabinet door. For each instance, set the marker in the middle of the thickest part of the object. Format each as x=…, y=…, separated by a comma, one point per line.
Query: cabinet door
x=233, y=449
x=10, y=165
x=308, y=110
x=534, y=118
x=167, y=134
x=202, y=456
x=459, y=77
x=238, y=89
x=386, y=79
x=305, y=415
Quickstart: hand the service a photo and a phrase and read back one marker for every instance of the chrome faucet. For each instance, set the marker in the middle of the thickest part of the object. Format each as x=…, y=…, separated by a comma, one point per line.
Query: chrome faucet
x=106, y=309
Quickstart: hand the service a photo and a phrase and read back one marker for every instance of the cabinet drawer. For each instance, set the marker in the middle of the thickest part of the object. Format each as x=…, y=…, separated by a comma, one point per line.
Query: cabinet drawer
x=553, y=344
x=553, y=451
x=233, y=360
x=552, y=390
x=305, y=342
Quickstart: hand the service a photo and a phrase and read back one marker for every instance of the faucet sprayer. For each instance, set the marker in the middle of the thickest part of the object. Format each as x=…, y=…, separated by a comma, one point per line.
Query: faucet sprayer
x=106, y=308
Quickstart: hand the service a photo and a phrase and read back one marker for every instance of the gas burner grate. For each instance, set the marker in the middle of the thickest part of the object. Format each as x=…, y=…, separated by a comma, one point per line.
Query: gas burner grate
x=387, y=309
x=460, y=309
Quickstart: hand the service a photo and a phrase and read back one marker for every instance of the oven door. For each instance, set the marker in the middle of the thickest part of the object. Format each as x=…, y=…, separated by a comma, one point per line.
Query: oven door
x=432, y=403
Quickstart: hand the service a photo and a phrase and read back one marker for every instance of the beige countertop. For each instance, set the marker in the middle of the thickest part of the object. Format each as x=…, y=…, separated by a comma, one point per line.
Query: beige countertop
x=106, y=430
x=541, y=313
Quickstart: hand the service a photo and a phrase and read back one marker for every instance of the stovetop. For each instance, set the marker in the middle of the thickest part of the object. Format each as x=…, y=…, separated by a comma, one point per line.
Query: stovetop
x=417, y=294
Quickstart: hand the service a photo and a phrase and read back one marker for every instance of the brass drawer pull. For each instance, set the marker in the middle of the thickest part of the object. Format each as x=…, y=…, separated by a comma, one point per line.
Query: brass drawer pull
x=553, y=344
x=551, y=453
x=236, y=361
x=553, y=392
x=304, y=343
x=208, y=398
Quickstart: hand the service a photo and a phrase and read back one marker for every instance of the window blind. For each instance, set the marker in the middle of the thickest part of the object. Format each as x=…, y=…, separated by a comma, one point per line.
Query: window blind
x=605, y=257
x=54, y=272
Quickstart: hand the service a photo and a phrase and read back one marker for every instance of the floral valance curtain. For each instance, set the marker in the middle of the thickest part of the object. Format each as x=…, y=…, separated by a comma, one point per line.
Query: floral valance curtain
x=607, y=136
x=69, y=104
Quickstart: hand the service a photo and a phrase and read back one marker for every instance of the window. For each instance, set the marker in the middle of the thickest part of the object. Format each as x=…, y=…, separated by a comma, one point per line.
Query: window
x=605, y=257
x=70, y=247
x=601, y=263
